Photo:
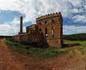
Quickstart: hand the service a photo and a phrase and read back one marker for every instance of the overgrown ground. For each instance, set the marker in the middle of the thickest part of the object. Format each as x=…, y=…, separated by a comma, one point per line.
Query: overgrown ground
x=37, y=52
x=50, y=52
x=71, y=57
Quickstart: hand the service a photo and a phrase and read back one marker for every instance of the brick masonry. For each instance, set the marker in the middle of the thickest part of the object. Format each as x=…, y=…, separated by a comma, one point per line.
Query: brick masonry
x=46, y=31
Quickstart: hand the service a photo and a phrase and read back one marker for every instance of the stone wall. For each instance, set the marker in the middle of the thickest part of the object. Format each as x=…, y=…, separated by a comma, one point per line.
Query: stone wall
x=46, y=31
x=51, y=26
x=33, y=38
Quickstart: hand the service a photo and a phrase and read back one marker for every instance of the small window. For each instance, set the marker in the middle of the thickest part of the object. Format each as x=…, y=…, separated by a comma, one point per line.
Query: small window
x=40, y=30
x=53, y=21
x=45, y=22
x=46, y=32
x=52, y=32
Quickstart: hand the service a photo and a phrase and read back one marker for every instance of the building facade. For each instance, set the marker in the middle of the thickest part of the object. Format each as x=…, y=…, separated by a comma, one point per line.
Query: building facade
x=46, y=31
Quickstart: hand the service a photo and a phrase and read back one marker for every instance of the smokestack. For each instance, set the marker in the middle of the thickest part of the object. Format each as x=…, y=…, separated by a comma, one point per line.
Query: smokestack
x=21, y=25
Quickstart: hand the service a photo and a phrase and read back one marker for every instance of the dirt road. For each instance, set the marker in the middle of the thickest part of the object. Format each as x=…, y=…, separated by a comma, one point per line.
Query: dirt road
x=7, y=60
x=11, y=60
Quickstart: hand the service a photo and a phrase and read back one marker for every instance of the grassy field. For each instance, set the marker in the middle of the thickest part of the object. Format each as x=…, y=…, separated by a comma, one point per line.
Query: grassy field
x=73, y=37
x=79, y=48
x=50, y=52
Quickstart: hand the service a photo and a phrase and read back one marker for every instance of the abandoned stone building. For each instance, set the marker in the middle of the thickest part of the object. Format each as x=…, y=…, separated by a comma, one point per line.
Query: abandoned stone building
x=46, y=32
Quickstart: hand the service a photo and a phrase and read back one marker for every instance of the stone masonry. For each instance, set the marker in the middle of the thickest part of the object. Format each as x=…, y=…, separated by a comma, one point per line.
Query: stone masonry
x=46, y=31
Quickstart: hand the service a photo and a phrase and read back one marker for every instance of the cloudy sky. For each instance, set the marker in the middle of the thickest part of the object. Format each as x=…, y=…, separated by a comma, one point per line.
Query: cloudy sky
x=73, y=11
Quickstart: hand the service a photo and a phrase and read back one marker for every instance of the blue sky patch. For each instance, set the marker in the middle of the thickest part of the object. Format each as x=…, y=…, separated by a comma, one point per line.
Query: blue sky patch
x=8, y=16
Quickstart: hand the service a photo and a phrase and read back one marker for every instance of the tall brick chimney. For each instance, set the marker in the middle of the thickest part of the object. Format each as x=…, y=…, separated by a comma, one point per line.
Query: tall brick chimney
x=21, y=25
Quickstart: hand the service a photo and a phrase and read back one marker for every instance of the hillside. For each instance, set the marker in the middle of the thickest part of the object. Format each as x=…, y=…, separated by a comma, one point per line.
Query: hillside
x=75, y=37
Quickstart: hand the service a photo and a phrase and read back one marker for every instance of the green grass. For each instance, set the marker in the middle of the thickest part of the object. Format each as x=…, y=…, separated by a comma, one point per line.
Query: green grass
x=81, y=47
x=48, y=52
x=16, y=46
x=81, y=36
x=37, y=52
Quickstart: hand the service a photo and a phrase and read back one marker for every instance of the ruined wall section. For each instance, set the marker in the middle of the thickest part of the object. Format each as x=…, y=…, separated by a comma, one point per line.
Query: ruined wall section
x=46, y=32
x=51, y=26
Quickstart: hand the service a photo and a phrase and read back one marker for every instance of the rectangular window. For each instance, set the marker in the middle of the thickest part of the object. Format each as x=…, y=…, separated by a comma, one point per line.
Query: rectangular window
x=46, y=32
x=52, y=33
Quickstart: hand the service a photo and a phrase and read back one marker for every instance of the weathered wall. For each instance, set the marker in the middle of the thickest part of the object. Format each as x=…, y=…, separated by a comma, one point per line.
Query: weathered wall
x=33, y=38
x=53, y=25
x=46, y=31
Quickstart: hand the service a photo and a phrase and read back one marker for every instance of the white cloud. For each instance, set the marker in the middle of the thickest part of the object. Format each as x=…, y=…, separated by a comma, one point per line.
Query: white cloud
x=14, y=27
x=5, y=29
x=34, y=8
x=9, y=5
x=79, y=18
x=76, y=3
x=73, y=29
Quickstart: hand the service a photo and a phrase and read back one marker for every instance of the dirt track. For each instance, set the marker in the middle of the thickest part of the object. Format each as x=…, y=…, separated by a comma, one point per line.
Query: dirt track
x=11, y=60
x=7, y=59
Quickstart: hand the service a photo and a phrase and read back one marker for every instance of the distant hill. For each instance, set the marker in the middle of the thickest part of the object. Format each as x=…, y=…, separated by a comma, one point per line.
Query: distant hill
x=81, y=36
x=5, y=36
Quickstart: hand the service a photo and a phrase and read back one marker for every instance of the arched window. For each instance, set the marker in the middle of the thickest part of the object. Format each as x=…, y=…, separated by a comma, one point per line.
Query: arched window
x=52, y=32
x=46, y=32
x=45, y=22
